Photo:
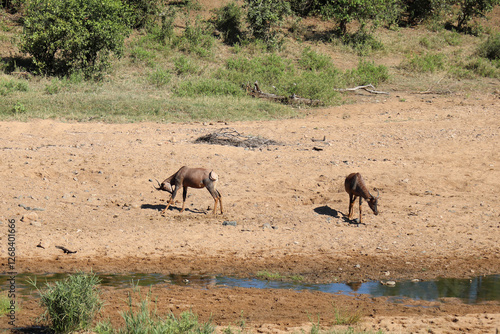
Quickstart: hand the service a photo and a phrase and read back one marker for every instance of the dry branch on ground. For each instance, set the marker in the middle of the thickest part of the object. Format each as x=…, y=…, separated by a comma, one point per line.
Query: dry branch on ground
x=231, y=137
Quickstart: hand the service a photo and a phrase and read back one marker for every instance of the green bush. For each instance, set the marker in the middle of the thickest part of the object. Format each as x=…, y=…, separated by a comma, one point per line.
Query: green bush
x=363, y=11
x=483, y=68
x=228, y=20
x=311, y=60
x=429, y=62
x=72, y=303
x=420, y=10
x=197, y=38
x=469, y=9
x=9, y=86
x=490, y=48
x=71, y=35
x=367, y=73
x=184, y=65
x=264, y=16
x=144, y=12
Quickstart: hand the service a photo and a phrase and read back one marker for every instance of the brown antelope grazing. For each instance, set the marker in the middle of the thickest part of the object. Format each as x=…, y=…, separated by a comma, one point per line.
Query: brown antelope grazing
x=355, y=186
x=194, y=178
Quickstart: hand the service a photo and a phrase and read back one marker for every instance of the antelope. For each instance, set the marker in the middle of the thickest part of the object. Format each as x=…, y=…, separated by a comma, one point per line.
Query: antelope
x=355, y=186
x=187, y=177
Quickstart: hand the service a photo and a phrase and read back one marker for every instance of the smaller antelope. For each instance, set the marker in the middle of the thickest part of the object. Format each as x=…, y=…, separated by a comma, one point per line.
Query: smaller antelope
x=191, y=177
x=355, y=186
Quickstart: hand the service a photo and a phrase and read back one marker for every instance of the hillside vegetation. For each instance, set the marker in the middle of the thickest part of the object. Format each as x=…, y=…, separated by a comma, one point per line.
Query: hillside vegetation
x=180, y=66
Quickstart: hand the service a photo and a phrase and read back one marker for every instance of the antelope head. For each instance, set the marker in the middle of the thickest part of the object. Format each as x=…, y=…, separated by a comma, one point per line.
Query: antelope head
x=165, y=186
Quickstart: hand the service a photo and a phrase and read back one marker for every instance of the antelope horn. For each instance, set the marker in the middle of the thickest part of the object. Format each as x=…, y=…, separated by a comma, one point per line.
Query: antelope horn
x=378, y=193
x=159, y=185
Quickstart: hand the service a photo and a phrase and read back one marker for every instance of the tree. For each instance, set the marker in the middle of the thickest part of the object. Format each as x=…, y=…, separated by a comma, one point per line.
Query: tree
x=74, y=35
x=473, y=8
x=363, y=11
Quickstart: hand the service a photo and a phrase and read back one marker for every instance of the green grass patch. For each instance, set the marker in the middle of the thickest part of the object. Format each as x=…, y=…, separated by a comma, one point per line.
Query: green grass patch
x=428, y=62
x=145, y=319
x=8, y=87
x=4, y=305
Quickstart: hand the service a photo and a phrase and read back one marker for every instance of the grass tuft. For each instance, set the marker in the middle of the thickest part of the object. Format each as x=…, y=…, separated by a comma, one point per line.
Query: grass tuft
x=72, y=303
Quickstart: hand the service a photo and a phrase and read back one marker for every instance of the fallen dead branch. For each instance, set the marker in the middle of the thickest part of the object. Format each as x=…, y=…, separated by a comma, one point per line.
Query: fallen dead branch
x=366, y=88
x=231, y=137
x=292, y=99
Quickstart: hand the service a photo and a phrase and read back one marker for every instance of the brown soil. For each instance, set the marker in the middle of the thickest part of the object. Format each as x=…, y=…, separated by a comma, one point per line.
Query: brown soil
x=434, y=160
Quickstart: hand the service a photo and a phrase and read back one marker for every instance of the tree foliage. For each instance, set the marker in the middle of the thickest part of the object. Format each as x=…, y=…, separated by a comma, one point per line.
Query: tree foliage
x=64, y=36
x=228, y=20
x=265, y=15
x=469, y=9
x=346, y=11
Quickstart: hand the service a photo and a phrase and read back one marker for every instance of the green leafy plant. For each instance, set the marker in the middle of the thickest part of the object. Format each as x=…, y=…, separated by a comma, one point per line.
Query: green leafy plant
x=469, y=9
x=264, y=16
x=197, y=38
x=228, y=20
x=67, y=35
x=429, y=62
x=363, y=11
x=184, y=65
x=9, y=86
x=18, y=108
x=72, y=303
x=490, y=48
x=144, y=12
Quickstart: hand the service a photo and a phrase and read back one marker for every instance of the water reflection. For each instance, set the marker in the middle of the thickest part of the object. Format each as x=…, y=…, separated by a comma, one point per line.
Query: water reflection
x=471, y=291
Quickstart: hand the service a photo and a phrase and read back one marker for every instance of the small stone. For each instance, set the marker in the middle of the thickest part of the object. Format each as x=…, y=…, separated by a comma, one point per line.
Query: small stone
x=30, y=217
x=229, y=223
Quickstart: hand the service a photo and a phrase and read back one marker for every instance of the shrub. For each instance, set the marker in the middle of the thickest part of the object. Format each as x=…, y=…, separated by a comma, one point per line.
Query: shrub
x=363, y=11
x=72, y=303
x=490, y=48
x=9, y=86
x=228, y=20
x=197, y=39
x=311, y=60
x=184, y=65
x=469, y=9
x=367, y=73
x=68, y=35
x=264, y=16
x=144, y=12
x=430, y=62
x=420, y=10
x=483, y=68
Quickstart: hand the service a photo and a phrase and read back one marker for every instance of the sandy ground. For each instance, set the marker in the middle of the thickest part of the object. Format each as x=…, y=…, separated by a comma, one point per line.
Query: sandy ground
x=434, y=160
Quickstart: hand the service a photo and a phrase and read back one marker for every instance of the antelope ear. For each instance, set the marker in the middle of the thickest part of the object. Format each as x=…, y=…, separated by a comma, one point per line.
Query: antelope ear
x=168, y=187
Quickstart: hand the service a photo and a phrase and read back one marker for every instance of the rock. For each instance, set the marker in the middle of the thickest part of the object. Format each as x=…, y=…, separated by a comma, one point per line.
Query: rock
x=30, y=217
x=229, y=223
x=388, y=283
